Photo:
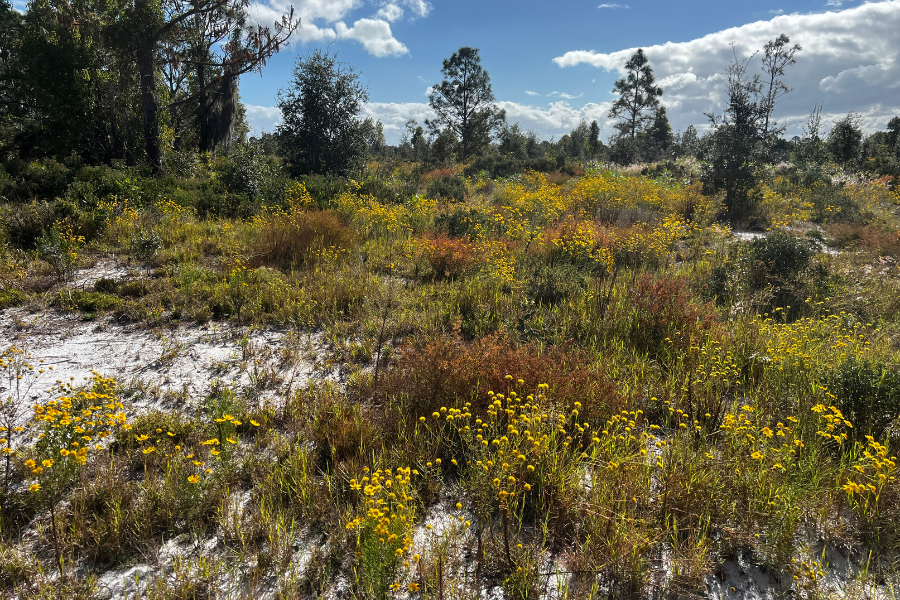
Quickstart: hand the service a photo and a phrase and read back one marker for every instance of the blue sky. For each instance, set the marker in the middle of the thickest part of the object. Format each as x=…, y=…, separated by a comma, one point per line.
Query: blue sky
x=554, y=64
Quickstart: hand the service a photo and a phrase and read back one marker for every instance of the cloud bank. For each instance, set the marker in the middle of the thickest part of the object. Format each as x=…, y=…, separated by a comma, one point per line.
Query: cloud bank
x=324, y=20
x=850, y=61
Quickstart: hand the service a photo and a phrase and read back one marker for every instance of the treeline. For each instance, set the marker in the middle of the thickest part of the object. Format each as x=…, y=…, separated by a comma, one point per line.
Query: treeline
x=154, y=86
x=132, y=81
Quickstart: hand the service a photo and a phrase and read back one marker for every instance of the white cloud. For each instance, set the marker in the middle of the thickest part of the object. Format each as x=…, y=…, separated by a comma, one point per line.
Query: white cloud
x=780, y=11
x=324, y=20
x=375, y=36
x=262, y=118
x=420, y=7
x=613, y=6
x=530, y=93
x=394, y=116
x=389, y=12
x=849, y=62
x=557, y=118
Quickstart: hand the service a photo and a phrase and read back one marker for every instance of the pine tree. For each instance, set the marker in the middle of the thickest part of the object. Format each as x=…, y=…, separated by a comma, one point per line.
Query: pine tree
x=464, y=101
x=638, y=96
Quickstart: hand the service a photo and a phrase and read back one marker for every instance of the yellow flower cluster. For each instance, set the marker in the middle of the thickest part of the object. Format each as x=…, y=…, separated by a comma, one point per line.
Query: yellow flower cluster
x=375, y=218
x=716, y=366
x=877, y=467
x=390, y=509
x=653, y=245
x=835, y=423
x=170, y=208
x=297, y=198
x=581, y=243
x=809, y=341
x=526, y=207
x=773, y=446
x=73, y=425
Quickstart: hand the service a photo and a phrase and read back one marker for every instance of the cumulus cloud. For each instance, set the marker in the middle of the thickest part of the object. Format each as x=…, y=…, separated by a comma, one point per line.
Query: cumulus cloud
x=325, y=20
x=849, y=62
x=394, y=116
x=420, y=8
x=389, y=12
x=375, y=36
x=317, y=16
x=613, y=6
x=530, y=93
x=557, y=118
x=262, y=118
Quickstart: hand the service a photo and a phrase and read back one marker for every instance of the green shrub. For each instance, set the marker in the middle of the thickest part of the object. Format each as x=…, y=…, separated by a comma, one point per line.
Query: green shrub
x=777, y=259
x=462, y=223
x=830, y=204
x=386, y=191
x=868, y=393
x=323, y=188
x=85, y=301
x=25, y=223
x=447, y=188
x=43, y=179
x=551, y=285
x=10, y=298
x=780, y=265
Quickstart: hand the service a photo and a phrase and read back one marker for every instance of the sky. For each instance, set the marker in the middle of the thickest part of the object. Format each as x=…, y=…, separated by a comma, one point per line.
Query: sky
x=553, y=64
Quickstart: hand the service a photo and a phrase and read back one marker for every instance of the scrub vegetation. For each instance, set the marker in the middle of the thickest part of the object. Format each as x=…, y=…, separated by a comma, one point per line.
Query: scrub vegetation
x=583, y=379
x=545, y=369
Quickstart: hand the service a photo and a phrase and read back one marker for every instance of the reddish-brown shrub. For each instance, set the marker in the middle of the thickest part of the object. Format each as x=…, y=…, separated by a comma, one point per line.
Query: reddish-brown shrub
x=868, y=238
x=663, y=317
x=438, y=174
x=449, y=257
x=448, y=372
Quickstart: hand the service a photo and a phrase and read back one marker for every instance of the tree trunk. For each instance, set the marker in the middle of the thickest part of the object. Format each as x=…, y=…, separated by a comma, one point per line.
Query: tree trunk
x=202, y=106
x=149, y=105
x=145, y=55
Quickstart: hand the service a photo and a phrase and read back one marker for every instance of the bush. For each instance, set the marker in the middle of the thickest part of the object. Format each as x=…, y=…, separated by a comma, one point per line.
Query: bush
x=462, y=223
x=777, y=259
x=25, y=223
x=449, y=257
x=448, y=372
x=389, y=191
x=43, y=179
x=831, y=204
x=663, y=319
x=868, y=394
x=288, y=240
x=447, y=188
x=257, y=177
x=868, y=238
x=506, y=166
x=551, y=285
x=778, y=263
x=323, y=188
